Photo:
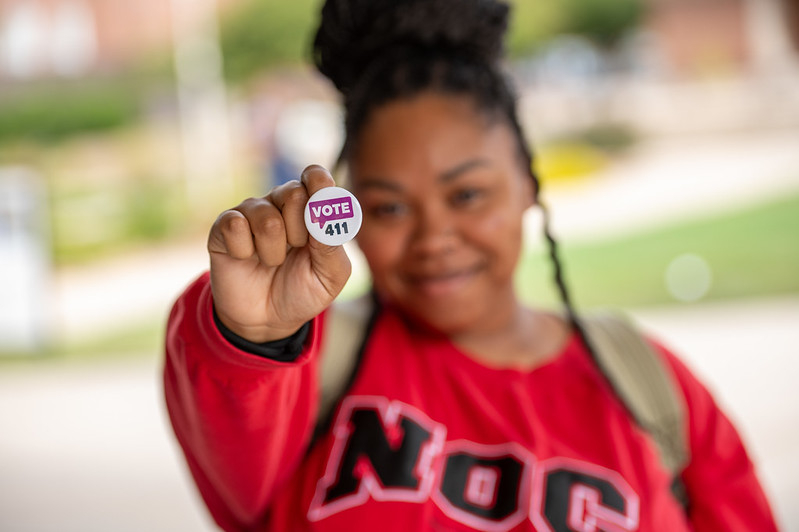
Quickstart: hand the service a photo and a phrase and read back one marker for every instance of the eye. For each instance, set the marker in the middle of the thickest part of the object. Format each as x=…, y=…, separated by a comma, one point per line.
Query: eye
x=467, y=196
x=388, y=209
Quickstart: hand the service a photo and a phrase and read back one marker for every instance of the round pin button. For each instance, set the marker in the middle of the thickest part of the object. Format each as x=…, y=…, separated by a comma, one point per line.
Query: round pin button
x=333, y=216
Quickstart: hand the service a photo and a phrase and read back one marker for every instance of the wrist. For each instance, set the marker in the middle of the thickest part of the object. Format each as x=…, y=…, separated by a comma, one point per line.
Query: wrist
x=256, y=334
x=284, y=349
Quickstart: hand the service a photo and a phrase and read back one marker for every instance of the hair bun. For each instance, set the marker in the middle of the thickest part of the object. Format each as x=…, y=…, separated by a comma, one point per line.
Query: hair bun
x=353, y=33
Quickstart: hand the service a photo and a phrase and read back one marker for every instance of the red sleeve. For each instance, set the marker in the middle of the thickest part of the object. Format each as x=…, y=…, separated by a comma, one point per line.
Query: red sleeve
x=243, y=421
x=723, y=490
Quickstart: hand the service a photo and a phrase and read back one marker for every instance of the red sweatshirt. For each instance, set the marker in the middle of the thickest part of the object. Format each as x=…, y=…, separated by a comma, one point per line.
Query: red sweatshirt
x=429, y=439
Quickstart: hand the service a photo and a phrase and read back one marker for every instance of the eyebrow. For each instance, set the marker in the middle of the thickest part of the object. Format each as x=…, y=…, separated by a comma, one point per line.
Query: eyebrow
x=445, y=177
x=462, y=168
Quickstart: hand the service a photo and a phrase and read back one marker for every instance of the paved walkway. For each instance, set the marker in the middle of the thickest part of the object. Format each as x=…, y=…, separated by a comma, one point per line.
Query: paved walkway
x=86, y=448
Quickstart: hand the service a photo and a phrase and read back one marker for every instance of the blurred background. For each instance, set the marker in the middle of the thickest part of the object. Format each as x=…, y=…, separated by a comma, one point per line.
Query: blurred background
x=667, y=135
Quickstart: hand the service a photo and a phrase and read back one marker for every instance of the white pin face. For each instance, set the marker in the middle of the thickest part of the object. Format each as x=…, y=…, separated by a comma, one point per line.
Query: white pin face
x=333, y=216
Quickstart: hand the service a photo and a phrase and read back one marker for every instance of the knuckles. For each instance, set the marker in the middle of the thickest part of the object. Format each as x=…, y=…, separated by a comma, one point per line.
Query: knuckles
x=297, y=196
x=272, y=225
x=232, y=223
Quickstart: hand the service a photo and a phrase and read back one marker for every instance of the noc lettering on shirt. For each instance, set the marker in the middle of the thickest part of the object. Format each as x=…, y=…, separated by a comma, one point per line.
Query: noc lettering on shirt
x=390, y=451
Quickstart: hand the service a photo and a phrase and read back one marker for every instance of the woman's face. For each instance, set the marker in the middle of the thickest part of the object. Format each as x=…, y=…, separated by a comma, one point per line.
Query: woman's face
x=443, y=192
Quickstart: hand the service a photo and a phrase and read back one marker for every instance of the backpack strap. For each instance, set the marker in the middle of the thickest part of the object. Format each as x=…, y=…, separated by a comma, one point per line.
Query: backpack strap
x=642, y=381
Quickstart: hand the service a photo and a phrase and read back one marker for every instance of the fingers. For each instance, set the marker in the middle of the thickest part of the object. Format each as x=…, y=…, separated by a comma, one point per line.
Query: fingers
x=231, y=235
x=290, y=199
x=254, y=227
x=268, y=226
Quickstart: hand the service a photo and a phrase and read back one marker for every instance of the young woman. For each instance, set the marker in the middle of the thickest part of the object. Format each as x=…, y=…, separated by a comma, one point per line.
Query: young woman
x=467, y=410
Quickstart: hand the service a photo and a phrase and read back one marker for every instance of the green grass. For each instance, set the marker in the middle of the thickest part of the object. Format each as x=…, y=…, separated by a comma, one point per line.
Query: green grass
x=135, y=340
x=51, y=113
x=752, y=252
x=90, y=222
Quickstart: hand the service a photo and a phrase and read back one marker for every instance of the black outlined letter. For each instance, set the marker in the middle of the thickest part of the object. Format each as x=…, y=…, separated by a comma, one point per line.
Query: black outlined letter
x=582, y=497
x=383, y=450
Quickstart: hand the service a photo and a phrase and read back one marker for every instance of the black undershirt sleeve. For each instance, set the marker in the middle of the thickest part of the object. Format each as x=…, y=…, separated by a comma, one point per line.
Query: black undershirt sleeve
x=284, y=350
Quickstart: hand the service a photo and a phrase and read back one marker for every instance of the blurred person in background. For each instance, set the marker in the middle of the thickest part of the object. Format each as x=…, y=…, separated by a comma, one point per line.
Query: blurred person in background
x=465, y=409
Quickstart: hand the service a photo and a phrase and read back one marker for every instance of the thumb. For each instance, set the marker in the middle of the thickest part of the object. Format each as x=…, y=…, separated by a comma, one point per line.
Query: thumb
x=331, y=264
x=328, y=258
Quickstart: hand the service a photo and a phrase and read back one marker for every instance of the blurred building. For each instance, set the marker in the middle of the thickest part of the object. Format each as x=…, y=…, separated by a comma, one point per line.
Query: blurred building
x=700, y=38
x=72, y=38
x=694, y=66
x=67, y=38
x=701, y=35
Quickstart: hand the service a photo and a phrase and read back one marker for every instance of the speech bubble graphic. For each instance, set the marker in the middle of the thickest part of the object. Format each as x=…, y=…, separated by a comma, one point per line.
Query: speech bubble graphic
x=333, y=216
x=330, y=209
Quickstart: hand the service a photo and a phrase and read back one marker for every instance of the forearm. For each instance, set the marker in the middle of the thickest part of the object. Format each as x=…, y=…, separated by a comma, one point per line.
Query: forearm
x=242, y=420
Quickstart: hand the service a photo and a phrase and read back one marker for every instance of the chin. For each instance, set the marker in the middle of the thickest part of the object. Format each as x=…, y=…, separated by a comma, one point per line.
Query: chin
x=443, y=316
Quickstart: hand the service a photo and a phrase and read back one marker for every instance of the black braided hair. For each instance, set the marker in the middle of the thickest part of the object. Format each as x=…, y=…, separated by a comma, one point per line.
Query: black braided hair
x=376, y=51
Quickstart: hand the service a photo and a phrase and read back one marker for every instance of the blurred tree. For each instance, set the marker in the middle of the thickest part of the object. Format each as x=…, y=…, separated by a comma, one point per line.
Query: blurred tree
x=259, y=34
x=533, y=23
x=603, y=22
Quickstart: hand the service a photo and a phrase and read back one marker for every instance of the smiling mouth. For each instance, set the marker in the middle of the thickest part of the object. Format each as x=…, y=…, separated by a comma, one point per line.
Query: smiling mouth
x=442, y=284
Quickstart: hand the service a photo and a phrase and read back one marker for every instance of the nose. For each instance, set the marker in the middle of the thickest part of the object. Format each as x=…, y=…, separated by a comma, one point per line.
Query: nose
x=435, y=232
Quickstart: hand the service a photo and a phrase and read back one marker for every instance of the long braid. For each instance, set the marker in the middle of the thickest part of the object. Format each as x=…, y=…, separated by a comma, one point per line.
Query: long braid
x=554, y=256
x=560, y=283
x=552, y=244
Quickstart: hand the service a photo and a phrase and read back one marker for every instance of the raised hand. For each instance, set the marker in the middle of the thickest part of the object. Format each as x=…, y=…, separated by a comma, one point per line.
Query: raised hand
x=268, y=277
